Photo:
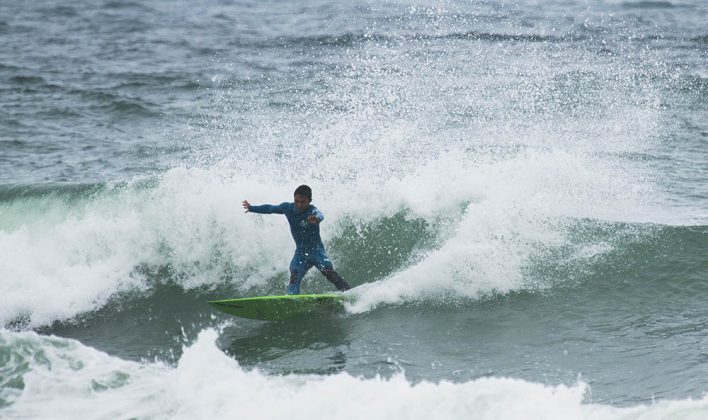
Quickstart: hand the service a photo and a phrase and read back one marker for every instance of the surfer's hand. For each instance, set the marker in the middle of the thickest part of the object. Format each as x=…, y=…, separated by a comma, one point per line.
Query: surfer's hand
x=312, y=219
x=246, y=206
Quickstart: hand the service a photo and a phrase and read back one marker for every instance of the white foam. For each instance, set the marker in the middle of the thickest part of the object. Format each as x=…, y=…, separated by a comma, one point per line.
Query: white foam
x=65, y=379
x=493, y=215
x=191, y=221
x=505, y=223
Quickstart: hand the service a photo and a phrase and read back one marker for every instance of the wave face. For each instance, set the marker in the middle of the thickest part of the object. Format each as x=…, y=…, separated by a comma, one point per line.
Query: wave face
x=516, y=190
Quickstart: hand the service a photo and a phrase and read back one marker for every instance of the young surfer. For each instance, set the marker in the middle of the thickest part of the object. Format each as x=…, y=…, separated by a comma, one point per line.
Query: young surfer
x=304, y=220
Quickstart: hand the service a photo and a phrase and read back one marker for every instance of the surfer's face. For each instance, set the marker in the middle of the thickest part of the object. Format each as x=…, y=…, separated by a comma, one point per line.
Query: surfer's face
x=302, y=203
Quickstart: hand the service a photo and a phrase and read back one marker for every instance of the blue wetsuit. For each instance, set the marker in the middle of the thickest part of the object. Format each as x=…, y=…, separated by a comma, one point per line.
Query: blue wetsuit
x=309, y=250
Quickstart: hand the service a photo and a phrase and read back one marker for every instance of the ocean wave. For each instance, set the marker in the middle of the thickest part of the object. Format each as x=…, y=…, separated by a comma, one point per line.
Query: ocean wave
x=94, y=246
x=24, y=82
x=136, y=80
x=648, y=4
x=27, y=80
x=117, y=103
x=128, y=5
x=53, y=377
x=59, y=11
x=471, y=236
x=349, y=39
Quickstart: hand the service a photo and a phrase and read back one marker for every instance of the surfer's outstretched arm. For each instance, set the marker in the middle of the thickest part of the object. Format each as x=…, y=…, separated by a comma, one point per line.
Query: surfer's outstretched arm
x=265, y=208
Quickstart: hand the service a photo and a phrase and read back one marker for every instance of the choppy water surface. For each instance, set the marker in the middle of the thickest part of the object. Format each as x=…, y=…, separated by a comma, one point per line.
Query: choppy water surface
x=518, y=190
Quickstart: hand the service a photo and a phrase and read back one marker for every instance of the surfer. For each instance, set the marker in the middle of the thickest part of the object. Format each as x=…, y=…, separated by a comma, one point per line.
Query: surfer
x=304, y=220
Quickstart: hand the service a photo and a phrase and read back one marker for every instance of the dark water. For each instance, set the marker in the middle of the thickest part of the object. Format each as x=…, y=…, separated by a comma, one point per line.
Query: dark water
x=519, y=190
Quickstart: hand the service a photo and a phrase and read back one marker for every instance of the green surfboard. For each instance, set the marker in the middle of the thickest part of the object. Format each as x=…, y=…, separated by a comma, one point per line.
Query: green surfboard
x=275, y=308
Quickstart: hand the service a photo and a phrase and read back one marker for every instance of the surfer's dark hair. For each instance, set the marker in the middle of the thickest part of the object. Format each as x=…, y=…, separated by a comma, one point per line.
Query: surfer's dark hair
x=305, y=191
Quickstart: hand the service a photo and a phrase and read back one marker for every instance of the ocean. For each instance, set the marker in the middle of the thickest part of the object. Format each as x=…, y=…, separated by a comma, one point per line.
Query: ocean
x=517, y=191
